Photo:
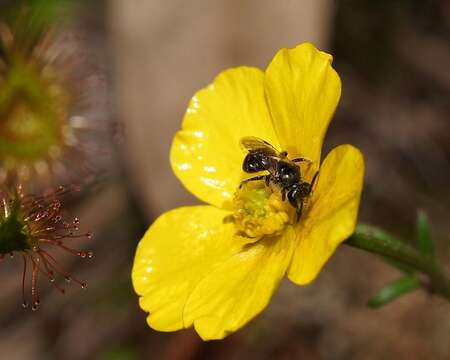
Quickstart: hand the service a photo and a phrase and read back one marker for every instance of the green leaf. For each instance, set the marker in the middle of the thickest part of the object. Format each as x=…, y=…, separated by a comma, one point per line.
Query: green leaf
x=367, y=230
x=423, y=234
x=394, y=290
x=399, y=265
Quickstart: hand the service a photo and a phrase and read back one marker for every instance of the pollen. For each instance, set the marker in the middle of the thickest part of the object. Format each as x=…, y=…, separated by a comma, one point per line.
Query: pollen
x=259, y=211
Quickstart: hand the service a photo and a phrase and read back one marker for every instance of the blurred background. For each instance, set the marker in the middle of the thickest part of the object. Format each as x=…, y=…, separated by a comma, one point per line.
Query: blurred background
x=137, y=65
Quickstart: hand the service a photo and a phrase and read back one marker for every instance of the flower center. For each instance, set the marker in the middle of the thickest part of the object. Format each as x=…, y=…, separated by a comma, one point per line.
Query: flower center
x=258, y=211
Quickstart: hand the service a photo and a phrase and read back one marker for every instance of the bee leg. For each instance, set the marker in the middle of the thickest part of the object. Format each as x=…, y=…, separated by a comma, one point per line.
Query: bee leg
x=256, y=178
x=299, y=210
x=283, y=194
x=302, y=159
x=314, y=180
x=267, y=179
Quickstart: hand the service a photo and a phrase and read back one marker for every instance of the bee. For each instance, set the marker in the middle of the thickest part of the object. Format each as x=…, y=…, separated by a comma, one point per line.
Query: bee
x=282, y=171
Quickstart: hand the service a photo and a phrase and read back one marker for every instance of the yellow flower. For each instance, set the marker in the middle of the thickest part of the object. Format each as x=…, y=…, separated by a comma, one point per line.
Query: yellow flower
x=216, y=266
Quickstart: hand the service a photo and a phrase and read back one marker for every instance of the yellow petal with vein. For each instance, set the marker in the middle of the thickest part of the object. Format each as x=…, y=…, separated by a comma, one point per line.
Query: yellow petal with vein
x=333, y=213
x=239, y=288
x=180, y=248
x=302, y=91
x=206, y=154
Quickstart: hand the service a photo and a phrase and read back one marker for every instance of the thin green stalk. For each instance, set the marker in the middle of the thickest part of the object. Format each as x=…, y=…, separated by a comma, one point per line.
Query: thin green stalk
x=377, y=241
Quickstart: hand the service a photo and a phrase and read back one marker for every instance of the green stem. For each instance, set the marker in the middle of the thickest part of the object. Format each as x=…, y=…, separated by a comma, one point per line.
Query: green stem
x=377, y=241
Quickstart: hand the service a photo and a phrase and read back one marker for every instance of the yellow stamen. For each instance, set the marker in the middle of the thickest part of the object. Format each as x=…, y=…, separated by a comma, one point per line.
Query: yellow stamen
x=258, y=211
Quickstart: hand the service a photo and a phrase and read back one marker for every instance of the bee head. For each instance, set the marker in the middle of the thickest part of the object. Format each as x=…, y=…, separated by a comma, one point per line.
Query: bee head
x=298, y=192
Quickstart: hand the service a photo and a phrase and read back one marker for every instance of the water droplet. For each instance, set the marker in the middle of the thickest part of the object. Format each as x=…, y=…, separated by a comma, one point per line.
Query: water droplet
x=83, y=285
x=68, y=279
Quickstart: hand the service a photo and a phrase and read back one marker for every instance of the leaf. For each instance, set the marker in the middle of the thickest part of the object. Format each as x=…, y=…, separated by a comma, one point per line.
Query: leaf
x=423, y=234
x=364, y=230
x=394, y=290
x=399, y=265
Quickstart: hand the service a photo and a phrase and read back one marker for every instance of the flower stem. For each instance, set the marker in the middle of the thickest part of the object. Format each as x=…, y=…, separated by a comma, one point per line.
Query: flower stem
x=379, y=242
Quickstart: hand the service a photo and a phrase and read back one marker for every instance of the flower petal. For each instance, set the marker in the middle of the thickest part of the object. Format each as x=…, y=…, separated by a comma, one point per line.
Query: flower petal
x=240, y=287
x=333, y=213
x=302, y=91
x=177, y=252
x=206, y=155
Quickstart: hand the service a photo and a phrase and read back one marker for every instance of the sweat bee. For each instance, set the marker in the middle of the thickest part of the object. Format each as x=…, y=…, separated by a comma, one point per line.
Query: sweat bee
x=282, y=172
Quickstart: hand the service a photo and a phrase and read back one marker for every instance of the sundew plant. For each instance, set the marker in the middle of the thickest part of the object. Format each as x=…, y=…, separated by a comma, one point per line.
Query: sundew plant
x=39, y=140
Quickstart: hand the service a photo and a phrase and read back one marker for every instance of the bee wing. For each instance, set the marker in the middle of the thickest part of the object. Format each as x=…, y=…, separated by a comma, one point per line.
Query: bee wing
x=252, y=143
